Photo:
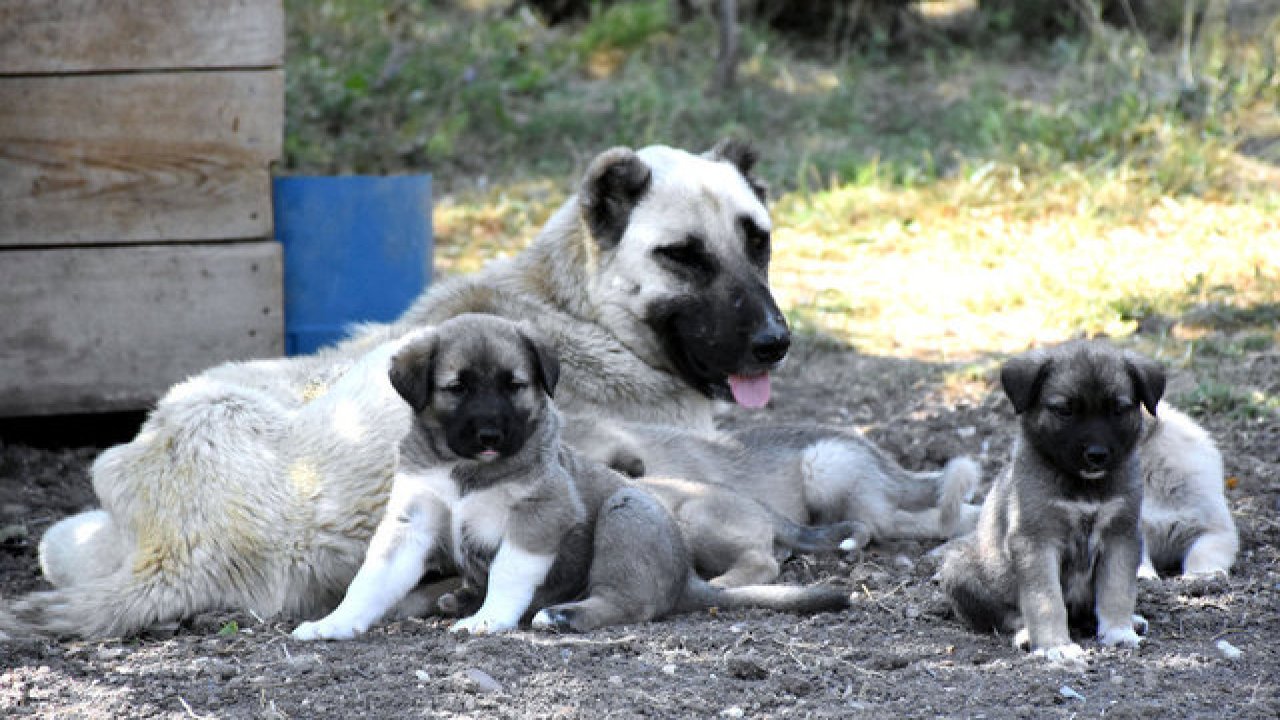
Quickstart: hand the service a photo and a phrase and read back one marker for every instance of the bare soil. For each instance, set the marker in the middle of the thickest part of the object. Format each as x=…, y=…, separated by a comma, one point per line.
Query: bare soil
x=899, y=652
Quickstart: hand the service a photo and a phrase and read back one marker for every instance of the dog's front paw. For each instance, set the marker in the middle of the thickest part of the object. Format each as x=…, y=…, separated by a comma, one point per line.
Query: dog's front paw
x=1125, y=634
x=1068, y=654
x=326, y=629
x=480, y=625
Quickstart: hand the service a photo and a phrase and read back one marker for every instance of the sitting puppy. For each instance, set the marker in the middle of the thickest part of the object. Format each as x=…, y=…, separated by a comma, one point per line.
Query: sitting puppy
x=1058, y=543
x=528, y=522
x=803, y=473
x=1186, y=526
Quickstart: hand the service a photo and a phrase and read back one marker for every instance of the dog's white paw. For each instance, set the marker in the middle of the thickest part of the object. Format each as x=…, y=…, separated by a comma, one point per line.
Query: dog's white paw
x=1068, y=654
x=1124, y=635
x=1148, y=572
x=480, y=625
x=326, y=629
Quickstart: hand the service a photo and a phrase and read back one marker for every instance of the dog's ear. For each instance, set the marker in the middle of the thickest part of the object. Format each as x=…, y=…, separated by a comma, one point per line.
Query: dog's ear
x=615, y=182
x=1148, y=379
x=742, y=155
x=412, y=373
x=1021, y=378
x=545, y=362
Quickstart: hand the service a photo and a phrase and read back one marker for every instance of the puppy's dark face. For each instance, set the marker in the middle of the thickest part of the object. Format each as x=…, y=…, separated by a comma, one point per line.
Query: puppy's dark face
x=1081, y=404
x=480, y=382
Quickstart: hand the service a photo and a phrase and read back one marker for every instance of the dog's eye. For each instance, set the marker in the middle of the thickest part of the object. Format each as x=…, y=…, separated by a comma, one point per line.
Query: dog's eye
x=454, y=388
x=516, y=385
x=1061, y=409
x=688, y=257
x=757, y=241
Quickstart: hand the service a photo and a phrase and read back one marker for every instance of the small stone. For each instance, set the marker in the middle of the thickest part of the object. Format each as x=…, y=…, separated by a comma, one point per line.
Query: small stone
x=745, y=668
x=422, y=675
x=480, y=681
x=1229, y=651
x=912, y=612
x=669, y=669
x=1069, y=693
x=902, y=562
x=615, y=679
x=733, y=712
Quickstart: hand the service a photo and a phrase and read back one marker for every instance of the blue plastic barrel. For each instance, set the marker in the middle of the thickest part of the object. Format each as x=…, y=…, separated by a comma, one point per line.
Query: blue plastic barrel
x=356, y=249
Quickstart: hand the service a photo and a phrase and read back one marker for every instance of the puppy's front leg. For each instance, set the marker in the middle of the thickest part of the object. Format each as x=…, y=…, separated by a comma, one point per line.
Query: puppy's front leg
x=514, y=576
x=393, y=564
x=1116, y=589
x=1040, y=600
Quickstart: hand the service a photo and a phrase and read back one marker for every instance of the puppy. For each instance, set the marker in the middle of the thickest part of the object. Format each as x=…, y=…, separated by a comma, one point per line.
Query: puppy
x=486, y=484
x=1058, y=543
x=803, y=474
x=1186, y=526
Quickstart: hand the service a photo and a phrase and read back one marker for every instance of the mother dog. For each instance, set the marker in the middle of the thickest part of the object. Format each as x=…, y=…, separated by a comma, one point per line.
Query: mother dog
x=257, y=485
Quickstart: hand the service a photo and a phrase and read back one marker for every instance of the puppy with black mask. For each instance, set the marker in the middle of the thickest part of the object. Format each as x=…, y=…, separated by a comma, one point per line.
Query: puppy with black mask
x=485, y=484
x=1058, y=542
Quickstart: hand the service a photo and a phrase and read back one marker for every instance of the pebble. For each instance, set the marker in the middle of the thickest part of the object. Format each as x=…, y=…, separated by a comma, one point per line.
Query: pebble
x=902, y=562
x=745, y=668
x=481, y=681
x=1229, y=651
x=1069, y=693
x=422, y=675
x=669, y=669
x=733, y=712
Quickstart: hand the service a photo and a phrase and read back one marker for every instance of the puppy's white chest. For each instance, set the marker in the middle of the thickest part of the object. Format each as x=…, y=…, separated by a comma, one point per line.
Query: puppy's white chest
x=480, y=521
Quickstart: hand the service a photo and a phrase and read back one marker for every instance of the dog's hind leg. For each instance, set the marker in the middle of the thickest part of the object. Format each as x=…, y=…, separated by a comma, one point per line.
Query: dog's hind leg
x=1212, y=552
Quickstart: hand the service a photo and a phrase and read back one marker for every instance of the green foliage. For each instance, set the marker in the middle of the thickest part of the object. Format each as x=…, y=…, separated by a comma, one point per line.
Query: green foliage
x=229, y=629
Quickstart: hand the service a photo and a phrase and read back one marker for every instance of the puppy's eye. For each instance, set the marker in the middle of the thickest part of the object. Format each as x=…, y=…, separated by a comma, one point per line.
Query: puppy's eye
x=516, y=385
x=454, y=388
x=1060, y=409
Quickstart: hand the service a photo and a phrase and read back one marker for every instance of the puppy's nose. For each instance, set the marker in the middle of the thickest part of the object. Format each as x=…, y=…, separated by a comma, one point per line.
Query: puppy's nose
x=771, y=344
x=488, y=436
x=1097, y=455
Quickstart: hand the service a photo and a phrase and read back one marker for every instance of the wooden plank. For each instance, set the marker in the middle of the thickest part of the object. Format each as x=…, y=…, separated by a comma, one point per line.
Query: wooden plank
x=59, y=36
x=95, y=329
x=138, y=158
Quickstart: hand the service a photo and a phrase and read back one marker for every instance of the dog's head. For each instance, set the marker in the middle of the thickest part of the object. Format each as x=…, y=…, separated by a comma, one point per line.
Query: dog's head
x=681, y=247
x=1081, y=403
x=482, y=382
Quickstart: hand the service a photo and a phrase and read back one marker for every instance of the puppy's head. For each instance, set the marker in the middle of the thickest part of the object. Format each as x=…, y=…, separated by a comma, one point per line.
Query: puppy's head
x=481, y=381
x=1080, y=403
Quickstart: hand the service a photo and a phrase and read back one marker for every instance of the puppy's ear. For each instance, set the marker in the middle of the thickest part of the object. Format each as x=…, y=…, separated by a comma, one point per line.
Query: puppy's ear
x=1021, y=378
x=742, y=155
x=545, y=363
x=412, y=372
x=1148, y=379
x=616, y=180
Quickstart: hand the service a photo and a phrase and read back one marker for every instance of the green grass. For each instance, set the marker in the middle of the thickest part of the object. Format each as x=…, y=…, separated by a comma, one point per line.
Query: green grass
x=944, y=202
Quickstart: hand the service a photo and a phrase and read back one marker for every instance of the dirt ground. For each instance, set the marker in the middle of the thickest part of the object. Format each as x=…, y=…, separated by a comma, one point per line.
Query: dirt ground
x=898, y=652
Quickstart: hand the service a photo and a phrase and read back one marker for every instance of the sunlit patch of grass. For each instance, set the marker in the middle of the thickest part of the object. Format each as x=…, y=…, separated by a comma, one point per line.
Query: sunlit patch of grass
x=1210, y=397
x=474, y=227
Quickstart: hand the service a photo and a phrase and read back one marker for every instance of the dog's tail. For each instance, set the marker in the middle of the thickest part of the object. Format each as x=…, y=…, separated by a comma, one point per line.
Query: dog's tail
x=949, y=490
x=82, y=548
x=818, y=538
x=700, y=595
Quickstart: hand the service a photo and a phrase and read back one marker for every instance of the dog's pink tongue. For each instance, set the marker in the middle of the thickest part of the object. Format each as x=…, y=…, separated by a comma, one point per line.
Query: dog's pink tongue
x=751, y=391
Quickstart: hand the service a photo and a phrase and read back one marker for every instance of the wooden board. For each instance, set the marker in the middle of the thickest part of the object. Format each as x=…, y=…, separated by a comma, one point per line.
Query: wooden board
x=138, y=158
x=95, y=329
x=47, y=36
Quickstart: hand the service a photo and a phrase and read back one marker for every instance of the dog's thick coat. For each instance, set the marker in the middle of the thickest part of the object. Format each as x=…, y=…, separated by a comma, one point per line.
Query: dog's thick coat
x=257, y=485
x=531, y=522
x=1058, y=541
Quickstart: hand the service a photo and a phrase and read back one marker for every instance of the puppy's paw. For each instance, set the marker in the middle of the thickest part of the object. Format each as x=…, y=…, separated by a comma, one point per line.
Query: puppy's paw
x=1119, y=636
x=482, y=625
x=1068, y=654
x=1147, y=572
x=326, y=629
x=553, y=619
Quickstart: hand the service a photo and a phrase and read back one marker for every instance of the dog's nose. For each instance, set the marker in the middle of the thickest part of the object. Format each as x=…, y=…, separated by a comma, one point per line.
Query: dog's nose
x=771, y=344
x=488, y=436
x=1097, y=455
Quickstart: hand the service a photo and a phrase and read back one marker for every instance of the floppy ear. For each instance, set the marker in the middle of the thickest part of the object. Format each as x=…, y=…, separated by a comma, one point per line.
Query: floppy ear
x=545, y=363
x=1021, y=378
x=616, y=180
x=1148, y=379
x=742, y=155
x=412, y=371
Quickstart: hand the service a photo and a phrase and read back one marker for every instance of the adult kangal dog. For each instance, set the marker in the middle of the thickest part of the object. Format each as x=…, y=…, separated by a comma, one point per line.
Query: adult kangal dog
x=257, y=485
x=533, y=526
x=1058, y=542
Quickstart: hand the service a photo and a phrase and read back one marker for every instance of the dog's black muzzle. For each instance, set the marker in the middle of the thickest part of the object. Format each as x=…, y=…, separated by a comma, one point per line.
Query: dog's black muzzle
x=486, y=426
